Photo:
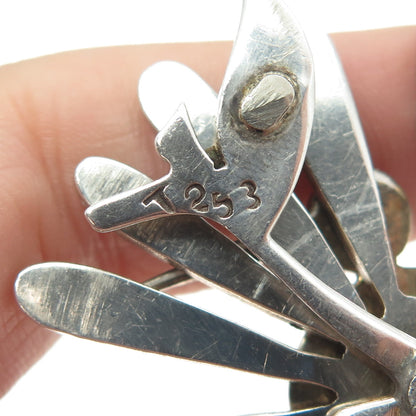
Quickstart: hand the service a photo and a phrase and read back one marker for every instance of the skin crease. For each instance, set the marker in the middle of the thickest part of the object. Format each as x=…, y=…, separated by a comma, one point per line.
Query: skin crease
x=57, y=110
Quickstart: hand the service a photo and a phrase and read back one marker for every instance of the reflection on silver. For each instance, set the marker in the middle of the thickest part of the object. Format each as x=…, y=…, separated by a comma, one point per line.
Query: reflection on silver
x=340, y=166
x=97, y=305
x=184, y=89
x=206, y=254
x=267, y=102
x=238, y=166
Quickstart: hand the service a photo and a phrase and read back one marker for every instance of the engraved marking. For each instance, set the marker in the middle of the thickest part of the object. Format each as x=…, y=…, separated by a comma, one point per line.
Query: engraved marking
x=161, y=199
x=197, y=193
x=225, y=201
x=196, y=203
x=251, y=193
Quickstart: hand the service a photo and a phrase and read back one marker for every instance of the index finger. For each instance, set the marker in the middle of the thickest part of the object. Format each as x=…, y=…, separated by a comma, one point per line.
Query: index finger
x=57, y=110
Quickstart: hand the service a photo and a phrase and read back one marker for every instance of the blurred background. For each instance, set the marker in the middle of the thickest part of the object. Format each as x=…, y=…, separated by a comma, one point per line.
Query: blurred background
x=82, y=377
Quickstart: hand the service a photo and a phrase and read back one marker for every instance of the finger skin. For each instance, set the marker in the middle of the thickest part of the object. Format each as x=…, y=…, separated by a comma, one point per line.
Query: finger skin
x=54, y=112
x=57, y=110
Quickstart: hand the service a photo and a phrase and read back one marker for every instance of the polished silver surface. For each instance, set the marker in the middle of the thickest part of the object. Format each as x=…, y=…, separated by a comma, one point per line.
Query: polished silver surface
x=381, y=407
x=397, y=217
x=394, y=202
x=189, y=242
x=162, y=196
x=340, y=165
x=265, y=105
x=168, y=280
x=309, y=412
x=338, y=161
x=241, y=174
x=243, y=189
x=193, y=177
x=183, y=86
x=294, y=230
x=97, y=305
x=398, y=221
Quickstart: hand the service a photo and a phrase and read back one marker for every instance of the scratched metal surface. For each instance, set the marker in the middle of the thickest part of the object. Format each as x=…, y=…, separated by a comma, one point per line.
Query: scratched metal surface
x=99, y=384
